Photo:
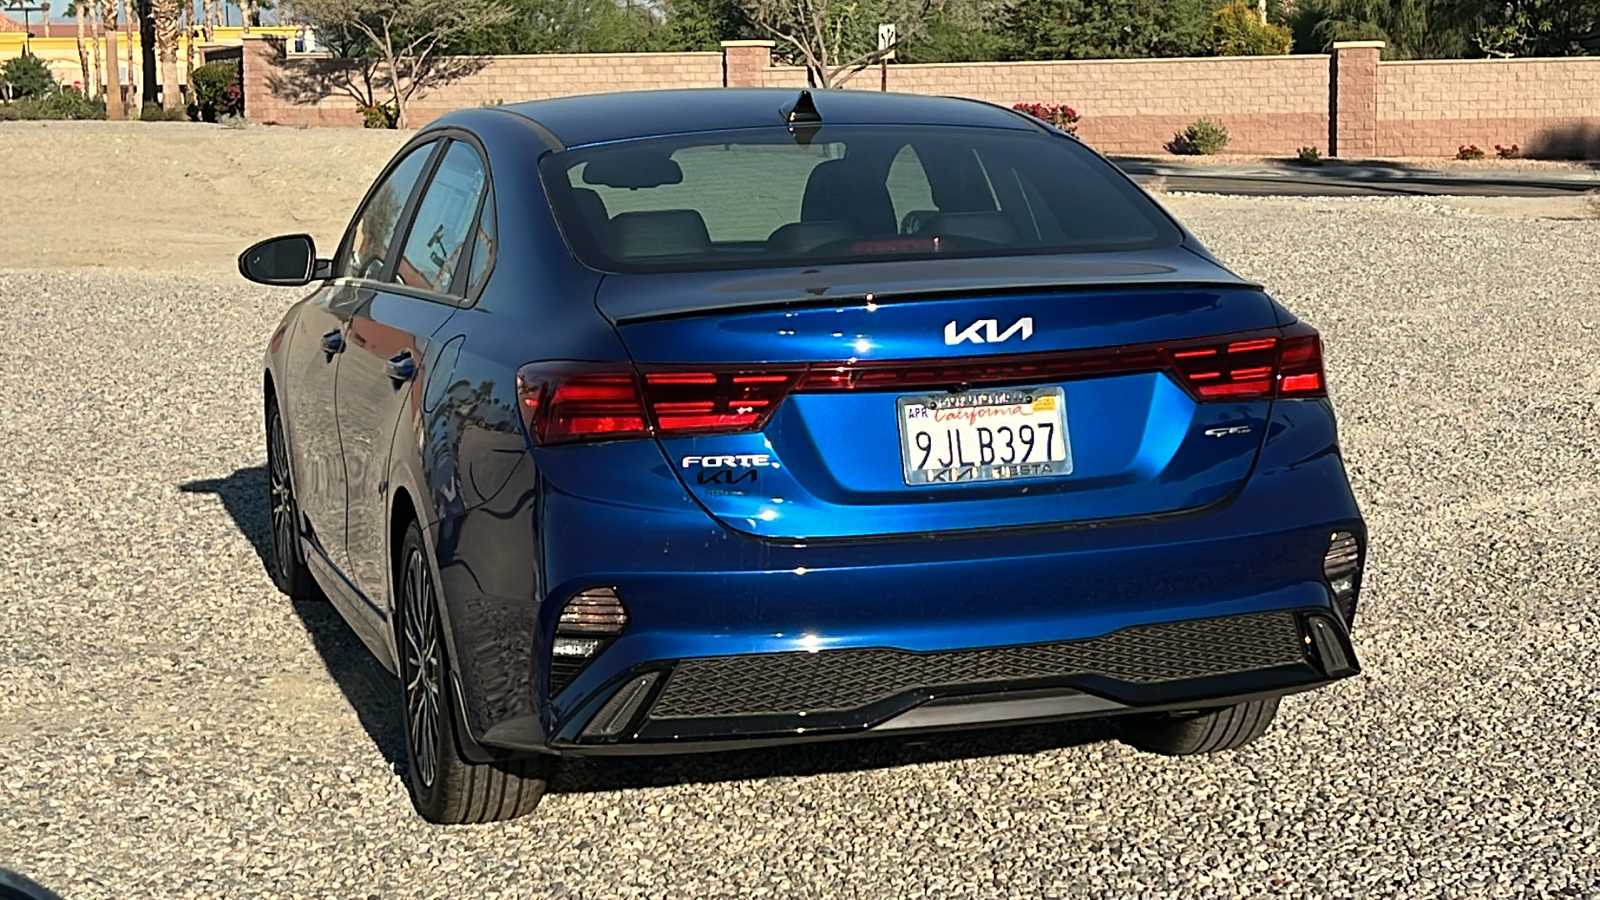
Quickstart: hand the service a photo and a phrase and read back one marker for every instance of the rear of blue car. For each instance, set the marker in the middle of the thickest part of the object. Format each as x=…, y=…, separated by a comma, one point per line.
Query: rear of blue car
x=923, y=428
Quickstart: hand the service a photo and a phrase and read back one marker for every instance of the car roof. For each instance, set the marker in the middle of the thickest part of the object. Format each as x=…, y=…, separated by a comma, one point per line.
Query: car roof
x=601, y=118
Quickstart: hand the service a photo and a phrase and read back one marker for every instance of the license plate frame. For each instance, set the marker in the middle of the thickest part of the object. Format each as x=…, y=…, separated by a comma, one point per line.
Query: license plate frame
x=960, y=471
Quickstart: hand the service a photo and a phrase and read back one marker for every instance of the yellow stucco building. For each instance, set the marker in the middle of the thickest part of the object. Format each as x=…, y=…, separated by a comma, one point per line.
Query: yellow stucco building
x=60, y=53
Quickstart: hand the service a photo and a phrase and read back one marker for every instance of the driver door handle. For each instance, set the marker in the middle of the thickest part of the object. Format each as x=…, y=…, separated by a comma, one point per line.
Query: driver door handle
x=401, y=367
x=333, y=342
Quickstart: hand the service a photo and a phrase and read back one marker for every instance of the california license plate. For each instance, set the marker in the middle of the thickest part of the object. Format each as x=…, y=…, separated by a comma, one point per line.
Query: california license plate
x=993, y=435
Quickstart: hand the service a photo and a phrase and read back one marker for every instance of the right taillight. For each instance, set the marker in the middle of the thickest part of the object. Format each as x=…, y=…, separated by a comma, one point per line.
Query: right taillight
x=1281, y=363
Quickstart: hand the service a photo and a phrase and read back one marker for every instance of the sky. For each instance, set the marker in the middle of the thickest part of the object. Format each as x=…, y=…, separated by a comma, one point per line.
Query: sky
x=58, y=11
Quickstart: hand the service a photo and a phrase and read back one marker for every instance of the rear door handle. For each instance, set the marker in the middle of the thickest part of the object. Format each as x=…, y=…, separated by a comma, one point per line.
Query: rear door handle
x=401, y=367
x=333, y=342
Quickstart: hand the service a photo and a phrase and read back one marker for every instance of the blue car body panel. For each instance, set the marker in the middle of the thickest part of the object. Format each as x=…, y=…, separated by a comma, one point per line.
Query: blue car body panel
x=828, y=549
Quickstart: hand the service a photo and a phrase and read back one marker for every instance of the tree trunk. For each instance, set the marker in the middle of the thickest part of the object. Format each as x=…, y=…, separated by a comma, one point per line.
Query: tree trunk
x=399, y=97
x=1261, y=10
x=188, y=41
x=83, y=50
x=247, y=9
x=209, y=16
x=127, y=23
x=114, y=109
x=96, y=45
x=166, y=16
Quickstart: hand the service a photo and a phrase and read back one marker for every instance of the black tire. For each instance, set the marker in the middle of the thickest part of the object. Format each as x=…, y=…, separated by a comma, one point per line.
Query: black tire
x=1228, y=728
x=289, y=571
x=446, y=787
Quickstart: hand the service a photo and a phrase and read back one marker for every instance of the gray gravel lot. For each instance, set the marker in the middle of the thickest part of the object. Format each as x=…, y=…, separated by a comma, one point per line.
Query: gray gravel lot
x=170, y=726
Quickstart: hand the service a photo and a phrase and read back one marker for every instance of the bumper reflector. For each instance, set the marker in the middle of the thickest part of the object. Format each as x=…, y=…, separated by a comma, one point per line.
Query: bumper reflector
x=613, y=718
x=1341, y=566
x=589, y=621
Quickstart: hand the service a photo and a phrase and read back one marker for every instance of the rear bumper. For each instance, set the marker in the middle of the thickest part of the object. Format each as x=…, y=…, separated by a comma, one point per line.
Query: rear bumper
x=945, y=615
x=713, y=703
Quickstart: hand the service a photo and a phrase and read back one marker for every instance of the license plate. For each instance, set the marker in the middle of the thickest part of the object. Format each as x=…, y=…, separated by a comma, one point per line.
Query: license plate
x=993, y=435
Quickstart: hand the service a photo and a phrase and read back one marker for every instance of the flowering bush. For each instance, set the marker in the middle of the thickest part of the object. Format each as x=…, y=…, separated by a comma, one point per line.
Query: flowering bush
x=216, y=91
x=1511, y=152
x=1060, y=115
x=1470, y=151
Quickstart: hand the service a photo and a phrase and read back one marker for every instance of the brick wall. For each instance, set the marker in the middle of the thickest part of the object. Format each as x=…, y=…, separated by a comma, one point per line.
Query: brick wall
x=1269, y=104
x=1349, y=104
x=1550, y=107
x=311, y=91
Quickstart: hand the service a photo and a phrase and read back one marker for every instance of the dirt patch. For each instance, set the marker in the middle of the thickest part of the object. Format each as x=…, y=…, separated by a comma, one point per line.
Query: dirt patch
x=167, y=195
x=1433, y=163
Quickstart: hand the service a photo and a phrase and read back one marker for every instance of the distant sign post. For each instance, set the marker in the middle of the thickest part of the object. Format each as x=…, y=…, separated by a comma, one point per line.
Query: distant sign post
x=886, y=42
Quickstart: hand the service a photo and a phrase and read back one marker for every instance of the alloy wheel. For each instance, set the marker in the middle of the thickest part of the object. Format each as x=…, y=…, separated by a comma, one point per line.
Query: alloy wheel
x=280, y=497
x=424, y=681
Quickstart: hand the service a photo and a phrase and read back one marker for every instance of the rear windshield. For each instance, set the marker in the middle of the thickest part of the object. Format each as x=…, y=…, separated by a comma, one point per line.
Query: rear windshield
x=761, y=198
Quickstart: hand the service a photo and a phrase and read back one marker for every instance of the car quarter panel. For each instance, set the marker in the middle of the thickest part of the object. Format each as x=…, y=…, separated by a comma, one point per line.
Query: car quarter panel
x=460, y=455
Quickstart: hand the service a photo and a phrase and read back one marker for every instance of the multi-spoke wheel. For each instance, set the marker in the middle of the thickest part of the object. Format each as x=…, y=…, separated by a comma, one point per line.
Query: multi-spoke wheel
x=445, y=786
x=289, y=570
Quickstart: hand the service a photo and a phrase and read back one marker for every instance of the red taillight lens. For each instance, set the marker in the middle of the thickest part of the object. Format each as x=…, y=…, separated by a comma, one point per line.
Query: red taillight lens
x=1300, y=365
x=1286, y=363
x=715, y=402
x=565, y=403
x=568, y=402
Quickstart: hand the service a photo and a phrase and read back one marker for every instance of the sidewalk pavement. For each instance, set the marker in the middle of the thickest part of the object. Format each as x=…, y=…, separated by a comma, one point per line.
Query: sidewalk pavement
x=1363, y=178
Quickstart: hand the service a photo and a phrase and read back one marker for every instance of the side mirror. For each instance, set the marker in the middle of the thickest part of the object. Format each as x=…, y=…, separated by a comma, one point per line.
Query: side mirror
x=288, y=261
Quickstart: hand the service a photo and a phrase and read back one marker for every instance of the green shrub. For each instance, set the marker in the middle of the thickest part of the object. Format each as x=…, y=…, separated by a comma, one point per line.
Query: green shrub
x=65, y=103
x=1202, y=137
x=1236, y=30
x=378, y=115
x=153, y=112
x=1308, y=156
x=217, y=93
x=27, y=77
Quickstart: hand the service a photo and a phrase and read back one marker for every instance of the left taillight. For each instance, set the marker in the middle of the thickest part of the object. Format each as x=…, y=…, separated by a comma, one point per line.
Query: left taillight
x=565, y=403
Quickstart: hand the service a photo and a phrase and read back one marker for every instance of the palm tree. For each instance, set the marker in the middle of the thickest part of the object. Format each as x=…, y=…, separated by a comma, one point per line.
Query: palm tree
x=188, y=40
x=108, y=16
x=76, y=9
x=208, y=19
x=164, y=16
x=95, y=46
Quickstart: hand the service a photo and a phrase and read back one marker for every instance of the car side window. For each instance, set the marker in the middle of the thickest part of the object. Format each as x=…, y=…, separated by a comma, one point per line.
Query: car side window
x=367, y=248
x=484, y=247
x=441, y=232
x=909, y=190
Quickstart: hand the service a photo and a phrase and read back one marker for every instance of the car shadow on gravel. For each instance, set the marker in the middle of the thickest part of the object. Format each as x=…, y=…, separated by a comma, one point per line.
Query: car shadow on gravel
x=370, y=691
x=579, y=776
x=367, y=686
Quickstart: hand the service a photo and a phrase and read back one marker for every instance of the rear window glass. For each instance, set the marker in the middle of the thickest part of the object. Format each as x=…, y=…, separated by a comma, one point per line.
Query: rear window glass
x=762, y=198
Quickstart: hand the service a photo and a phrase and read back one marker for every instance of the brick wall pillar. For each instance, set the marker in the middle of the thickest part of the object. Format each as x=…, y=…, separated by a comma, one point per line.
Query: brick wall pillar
x=258, y=62
x=745, y=63
x=1353, y=99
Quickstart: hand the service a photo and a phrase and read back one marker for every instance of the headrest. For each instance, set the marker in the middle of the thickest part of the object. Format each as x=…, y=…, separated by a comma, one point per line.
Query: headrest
x=659, y=233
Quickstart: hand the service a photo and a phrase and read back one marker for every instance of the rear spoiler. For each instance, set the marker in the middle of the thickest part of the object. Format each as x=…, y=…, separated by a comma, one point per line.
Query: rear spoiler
x=627, y=298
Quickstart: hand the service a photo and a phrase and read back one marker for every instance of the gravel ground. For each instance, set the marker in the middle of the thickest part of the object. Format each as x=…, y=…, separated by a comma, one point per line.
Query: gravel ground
x=170, y=726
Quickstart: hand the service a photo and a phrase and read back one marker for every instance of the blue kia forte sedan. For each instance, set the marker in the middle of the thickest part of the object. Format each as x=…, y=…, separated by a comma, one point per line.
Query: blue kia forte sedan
x=677, y=421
